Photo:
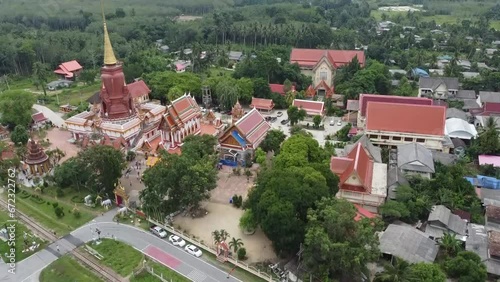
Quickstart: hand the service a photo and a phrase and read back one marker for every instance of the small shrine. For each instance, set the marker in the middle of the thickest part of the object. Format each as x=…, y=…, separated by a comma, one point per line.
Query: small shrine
x=222, y=251
x=121, y=196
x=237, y=112
x=36, y=159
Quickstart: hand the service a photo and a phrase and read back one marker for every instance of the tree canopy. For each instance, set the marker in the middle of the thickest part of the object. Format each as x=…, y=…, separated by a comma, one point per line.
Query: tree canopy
x=15, y=107
x=337, y=245
x=273, y=141
x=178, y=182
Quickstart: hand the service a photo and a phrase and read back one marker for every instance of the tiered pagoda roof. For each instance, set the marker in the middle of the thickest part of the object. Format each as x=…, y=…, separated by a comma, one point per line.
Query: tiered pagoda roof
x=36, y=155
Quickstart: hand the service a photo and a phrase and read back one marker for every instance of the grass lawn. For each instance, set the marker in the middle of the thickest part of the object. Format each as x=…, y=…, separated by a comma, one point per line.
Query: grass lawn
x=45, y=215
x=119, y=256
x=238, y=272
x=20, y=231
x=161, y=270
x=50, y=193
x=67, y=269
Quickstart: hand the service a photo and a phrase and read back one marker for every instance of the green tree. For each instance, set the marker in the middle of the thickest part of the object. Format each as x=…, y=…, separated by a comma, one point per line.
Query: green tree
x=174, y=93
x=426, y=272
x=178, y=182
x=20, y=135
x=273, y=141
x=342, y=134
x=105, y=165
x=15, y=107
x=396, y=271
x=41, y=74
x=287, y=85
x=88, y=76
x=227, y=93
x=488, y=141
x=335, y=244
x=245, y=88
x=450, y=244
x=317, y=121
x=394, y=210
x=405, y=88
x=247, y=221
x=295, y=115
x=261, y=88
x=235, y=244
x=466, y=266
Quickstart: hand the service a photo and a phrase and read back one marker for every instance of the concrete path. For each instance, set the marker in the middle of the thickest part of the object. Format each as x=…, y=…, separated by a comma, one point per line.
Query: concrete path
x=193, y=268
x=48, y=113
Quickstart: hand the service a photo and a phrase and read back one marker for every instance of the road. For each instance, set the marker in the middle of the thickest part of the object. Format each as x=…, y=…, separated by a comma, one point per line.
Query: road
x=56, y=119
x=193, y=268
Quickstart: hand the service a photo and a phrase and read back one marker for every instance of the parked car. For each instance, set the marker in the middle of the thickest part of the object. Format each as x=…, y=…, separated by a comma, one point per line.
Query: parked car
x=339, y=123
x=273, y=119
x=332, y=122
x=268, y=118
x=279, y=114
x=193, y=250
x=158, y=231
x=285, y=121
x=177, y=241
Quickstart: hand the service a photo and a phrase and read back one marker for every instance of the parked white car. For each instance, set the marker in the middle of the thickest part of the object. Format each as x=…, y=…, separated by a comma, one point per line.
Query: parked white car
x=176, y=241
x=193, y=250
x=158, y=231
x=339, y=123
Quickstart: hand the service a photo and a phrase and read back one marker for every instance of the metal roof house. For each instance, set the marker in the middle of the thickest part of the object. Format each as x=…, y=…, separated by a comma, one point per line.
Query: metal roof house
x=415, y=159
x=408, y=243
x=442, y=220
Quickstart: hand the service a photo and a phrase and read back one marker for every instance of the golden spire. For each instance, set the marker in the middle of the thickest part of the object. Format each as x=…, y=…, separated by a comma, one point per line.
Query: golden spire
x=109, y=55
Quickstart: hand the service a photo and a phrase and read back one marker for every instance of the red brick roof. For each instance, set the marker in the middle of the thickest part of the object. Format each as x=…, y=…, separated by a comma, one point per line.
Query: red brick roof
x=181, y=111
x=310, y=91
x=417, y=119
x=364, y=99
x=338, y=58
x=38, y=117
x=358, y=163
x=68, y=68
x=311, y=107
x=138, y=89
x=363, y=213
x=279, y=88
x=262, y=104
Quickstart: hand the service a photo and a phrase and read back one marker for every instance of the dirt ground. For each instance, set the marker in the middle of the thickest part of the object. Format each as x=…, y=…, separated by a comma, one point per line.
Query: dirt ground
x=222, y=215
x=59, y=139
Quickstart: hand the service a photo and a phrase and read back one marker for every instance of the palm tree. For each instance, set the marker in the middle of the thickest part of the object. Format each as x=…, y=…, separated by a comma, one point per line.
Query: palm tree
x=450, y=244
x=216, y=236
x=223, y=235
x=397, y=271
x=235, y=244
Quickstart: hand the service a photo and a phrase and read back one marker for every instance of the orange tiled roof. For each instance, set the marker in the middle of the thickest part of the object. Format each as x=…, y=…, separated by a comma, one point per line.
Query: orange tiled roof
x=138, y=89
x=338, y=58
x=357, y=163
x=262, y=104
x=417, y=119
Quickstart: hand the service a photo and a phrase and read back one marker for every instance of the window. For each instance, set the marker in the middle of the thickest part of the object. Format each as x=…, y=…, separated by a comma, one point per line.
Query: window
x=420, y=140
x=396, y=138
x=323, y=75
x=408, y=139
x=385, y=137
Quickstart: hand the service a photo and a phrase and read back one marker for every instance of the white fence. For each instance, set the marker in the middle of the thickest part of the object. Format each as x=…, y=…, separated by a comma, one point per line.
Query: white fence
x=213, y=251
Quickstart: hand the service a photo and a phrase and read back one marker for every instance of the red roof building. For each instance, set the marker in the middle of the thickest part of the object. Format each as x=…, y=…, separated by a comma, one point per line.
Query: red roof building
x=262, y=104
x=364, y=99
x=181, y=119
x=363, y=213
x=279, y=88
x=312, y=108
x=308, y=58
x=38, y=120
x=390, y=124
x=69, y=70
x=244, y=136
x=139, y=91
x=362, y=180
x=488, y=109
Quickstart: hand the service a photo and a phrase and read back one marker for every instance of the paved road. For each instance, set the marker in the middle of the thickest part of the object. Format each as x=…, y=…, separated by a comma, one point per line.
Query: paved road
x=193, y=268
x=48, y=113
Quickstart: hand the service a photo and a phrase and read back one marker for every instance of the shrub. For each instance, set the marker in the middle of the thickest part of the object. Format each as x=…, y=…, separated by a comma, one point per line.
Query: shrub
x=130, y=156
x=24, y=194
x=237, y=201
x=45, y=184
x=37, y=199
x=59, y=212
x=77, y=214
x=55, y=205
x=59, y=192
x=242, y=253
x=237, y=171
x=77, y=199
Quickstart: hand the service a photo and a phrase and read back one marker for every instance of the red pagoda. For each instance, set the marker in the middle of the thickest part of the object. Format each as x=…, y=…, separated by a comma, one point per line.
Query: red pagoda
x=36, y=159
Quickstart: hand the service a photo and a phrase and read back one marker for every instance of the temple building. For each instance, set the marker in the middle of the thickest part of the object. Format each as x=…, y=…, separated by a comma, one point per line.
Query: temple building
x=118, y=113
x=37, y=161
x=243, y=137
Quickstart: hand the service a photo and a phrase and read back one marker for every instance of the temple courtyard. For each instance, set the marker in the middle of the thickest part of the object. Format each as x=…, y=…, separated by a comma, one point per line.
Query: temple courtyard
x=223, y=215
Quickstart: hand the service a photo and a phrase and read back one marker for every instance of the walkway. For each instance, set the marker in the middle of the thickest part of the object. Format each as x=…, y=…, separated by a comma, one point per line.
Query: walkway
x=48, y=113
x=194, y=268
